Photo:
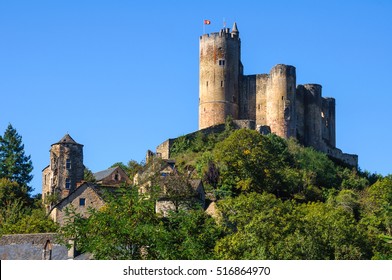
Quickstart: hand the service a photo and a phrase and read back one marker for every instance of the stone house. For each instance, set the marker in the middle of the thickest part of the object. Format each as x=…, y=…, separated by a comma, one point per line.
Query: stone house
x=112, y=177
x=192, y=196
x=87, y=195
x=90, y=195
x=177, y=191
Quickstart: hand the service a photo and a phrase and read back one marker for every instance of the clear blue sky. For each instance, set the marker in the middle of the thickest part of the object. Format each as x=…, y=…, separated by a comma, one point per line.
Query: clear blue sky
x=122, y=76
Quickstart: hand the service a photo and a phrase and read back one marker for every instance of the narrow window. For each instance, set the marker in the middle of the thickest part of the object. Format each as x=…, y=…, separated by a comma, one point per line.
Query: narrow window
x=221, y=83
x=82, y=201
x=67, y=183
x=207, y=83
x=221, y=62
x=68, y=164
x=116, y=178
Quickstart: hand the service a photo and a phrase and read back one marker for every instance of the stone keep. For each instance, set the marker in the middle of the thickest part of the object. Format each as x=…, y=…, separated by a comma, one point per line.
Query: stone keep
x=272, y=99
x=66, y=169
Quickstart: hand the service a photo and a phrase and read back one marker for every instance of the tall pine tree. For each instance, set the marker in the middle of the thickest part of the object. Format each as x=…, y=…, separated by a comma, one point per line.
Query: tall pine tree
x=14, y=164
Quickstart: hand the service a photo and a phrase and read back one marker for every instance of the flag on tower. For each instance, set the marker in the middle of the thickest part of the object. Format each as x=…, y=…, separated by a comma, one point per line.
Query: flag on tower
x=207, y=22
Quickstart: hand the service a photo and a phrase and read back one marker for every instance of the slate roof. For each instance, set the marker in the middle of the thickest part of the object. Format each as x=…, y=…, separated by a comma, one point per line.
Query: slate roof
x=67, y=139
x=103, y=174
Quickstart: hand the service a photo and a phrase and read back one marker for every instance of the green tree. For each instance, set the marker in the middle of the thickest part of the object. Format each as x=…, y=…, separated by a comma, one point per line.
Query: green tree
x=190, y=235
x=14, y=164
x=376, y=212
x=131, y=168
x=260, y=226
x=125, y=228
x=249, y=161
x=15, y=218
x=88, y=175
x=12, y=191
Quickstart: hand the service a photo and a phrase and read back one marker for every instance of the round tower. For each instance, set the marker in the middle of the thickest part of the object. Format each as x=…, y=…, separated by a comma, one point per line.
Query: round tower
x=281, y=115
x=219, y=76
x=66, y=168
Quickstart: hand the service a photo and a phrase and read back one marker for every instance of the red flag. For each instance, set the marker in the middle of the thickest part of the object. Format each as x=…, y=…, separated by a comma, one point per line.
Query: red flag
x=207, y=22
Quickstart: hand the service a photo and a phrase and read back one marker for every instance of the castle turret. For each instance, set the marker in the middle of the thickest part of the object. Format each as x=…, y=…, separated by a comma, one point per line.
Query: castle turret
x=66, y=169
x=220, y=69
x=281, y=115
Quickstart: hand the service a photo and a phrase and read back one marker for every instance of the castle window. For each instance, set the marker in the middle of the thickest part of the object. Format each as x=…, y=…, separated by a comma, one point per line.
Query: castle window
x=207, y=83
x=221, y=62
x=82, y=201
x=68, y=164
x=67, y=183
x=222, y=84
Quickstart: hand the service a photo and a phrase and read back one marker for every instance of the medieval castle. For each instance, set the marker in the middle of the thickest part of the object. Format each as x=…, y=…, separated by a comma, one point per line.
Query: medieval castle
x=267, y=100
x=269, y=103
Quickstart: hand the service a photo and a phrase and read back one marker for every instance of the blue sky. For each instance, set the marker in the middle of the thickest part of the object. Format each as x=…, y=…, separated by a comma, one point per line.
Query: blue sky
x=122, y=76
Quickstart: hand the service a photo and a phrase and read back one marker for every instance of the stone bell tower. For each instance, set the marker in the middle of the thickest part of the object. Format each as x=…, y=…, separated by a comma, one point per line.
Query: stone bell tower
x=66, y=169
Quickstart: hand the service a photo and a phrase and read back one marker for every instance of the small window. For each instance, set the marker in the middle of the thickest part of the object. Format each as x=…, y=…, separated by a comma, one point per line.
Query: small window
x=221, y=62
x=207, y=83
x=116, y=177
x=68, y=164
x=222, y=84
x=67, y=183
x=82, y=201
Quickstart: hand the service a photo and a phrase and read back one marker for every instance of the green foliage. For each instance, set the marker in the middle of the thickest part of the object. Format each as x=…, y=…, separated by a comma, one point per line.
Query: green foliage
x=128, y=228
x=316, y=168
x=376, y=219
x=16, y=218
x=180, y=145
x=125, y=228
x=189, y=235
x=249, y=161
x=350, y=179
x=14, y=164
x=88, y=175
x=11, y=191
x=276, y=200
x=260, y=226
